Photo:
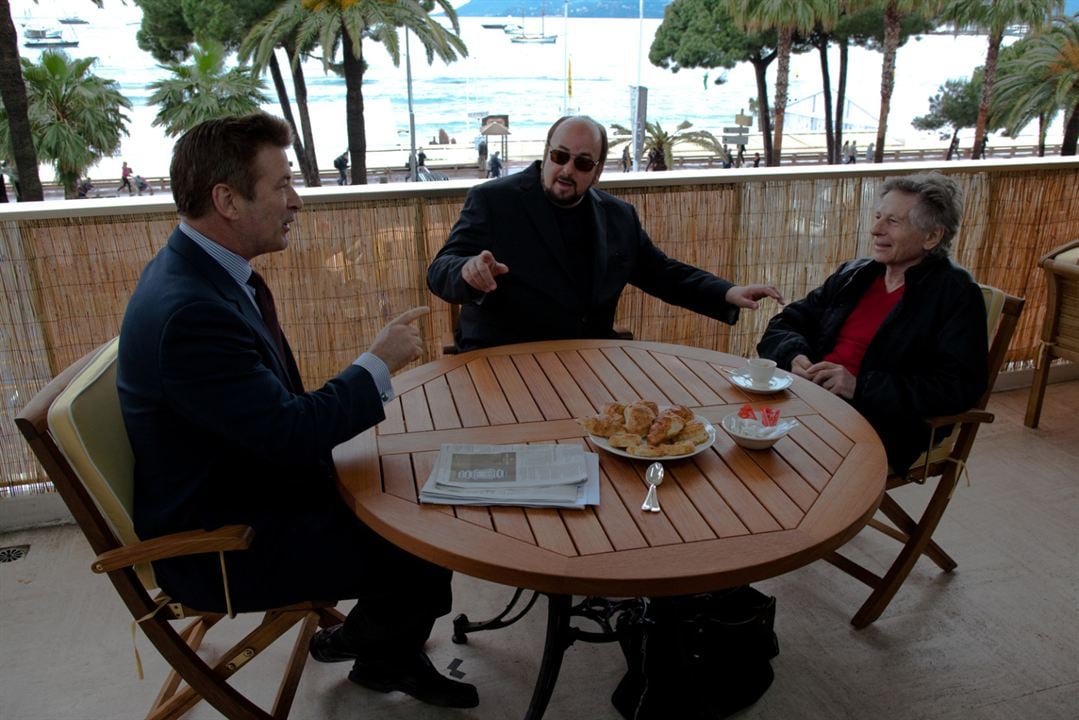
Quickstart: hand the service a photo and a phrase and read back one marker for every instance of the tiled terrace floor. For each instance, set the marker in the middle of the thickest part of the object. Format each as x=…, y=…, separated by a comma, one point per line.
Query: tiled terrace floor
x=996, y=639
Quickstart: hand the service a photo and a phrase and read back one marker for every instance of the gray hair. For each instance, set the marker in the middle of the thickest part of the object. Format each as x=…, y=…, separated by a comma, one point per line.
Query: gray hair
x=940, y=205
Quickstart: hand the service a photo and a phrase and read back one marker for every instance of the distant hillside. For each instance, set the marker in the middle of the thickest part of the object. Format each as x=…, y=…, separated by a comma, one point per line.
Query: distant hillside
x=551, y=8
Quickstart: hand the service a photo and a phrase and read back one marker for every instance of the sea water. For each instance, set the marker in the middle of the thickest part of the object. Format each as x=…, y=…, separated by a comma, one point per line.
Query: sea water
x=590, y=69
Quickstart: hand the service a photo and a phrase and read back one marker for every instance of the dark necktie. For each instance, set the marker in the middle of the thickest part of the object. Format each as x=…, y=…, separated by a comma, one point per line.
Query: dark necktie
x=264, y=300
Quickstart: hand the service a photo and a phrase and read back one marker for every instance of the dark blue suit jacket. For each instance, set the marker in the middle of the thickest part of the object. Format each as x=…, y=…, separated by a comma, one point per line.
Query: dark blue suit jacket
x=220, y=429
x=537, y=300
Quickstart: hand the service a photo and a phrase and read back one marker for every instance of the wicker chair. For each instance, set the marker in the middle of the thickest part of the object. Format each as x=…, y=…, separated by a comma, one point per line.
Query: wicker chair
x=1060, y=331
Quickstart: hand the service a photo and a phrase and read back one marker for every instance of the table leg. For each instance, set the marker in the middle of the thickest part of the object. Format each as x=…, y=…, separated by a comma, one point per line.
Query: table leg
x=555, y=642
x=462, y=626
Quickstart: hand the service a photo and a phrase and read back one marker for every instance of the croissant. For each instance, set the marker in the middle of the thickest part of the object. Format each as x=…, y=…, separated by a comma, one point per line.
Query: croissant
x=681, y=411
x=665, y=450
x=624, y=440
x=613, y=408
x=639, y=418
x=693, y=432
x=665, y=426
x=602, y=426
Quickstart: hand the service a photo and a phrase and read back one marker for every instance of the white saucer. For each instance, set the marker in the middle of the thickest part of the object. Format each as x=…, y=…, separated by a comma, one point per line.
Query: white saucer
x=780, y=381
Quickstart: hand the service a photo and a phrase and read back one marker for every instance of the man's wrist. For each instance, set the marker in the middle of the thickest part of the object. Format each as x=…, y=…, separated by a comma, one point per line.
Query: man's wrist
x=380, y=373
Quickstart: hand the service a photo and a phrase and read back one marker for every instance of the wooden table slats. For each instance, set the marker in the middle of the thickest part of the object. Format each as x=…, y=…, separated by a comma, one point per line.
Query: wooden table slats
x=490, y=393
x=465, y=398
x=440, y=403
x=548, y=401
x=515, y=390
x=729, y=515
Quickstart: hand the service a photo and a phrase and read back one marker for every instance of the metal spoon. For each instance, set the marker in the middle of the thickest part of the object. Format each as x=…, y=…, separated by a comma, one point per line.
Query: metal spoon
x=654, y=477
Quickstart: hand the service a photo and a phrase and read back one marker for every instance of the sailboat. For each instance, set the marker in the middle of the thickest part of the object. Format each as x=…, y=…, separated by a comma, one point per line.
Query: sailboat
x=542, y=38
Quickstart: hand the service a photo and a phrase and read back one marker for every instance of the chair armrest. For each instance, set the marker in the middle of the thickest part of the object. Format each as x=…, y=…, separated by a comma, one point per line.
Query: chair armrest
x=192, y=542
x=970, y=416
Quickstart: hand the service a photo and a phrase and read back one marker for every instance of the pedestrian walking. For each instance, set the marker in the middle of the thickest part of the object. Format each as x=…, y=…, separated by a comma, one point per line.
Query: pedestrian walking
x=341, y=163
x=494, y=167
x=845, y=153
x=125, y=180
x=853, y=156
x=869, y=153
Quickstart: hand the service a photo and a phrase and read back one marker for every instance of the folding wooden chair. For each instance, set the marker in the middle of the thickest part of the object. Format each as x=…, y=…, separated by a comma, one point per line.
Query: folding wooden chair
x=1060, y=330
x=946, y=461
x=76, y=430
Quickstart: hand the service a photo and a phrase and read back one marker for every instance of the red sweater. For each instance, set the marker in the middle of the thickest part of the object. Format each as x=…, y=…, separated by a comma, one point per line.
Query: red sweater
x=862, y=324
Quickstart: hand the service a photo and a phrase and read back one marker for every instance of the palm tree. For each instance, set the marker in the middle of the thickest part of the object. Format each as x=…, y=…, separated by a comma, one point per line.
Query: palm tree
x=279, y=29
x=995, y=17
x=15, y=108
x=76, y=118
x=660, y=144
x=786, y=17
x=343, y=24
x=895, y=12
x=1040, y=81
x=203, y=90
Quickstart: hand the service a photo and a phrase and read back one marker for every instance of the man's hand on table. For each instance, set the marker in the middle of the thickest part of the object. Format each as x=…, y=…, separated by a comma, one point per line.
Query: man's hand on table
x=831, y=376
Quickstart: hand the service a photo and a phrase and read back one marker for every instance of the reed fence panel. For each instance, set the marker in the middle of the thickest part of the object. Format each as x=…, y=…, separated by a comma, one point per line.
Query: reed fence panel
x=358, y=258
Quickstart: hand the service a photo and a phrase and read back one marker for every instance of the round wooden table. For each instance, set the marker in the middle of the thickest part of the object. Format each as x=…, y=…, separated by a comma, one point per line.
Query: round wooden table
x=729, y=516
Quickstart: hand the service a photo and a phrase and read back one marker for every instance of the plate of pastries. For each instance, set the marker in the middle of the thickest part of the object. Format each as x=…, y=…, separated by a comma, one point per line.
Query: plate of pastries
x=647, y=430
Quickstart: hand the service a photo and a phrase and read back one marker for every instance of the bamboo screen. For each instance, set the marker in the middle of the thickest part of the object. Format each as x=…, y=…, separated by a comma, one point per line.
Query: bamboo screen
x=358, y=259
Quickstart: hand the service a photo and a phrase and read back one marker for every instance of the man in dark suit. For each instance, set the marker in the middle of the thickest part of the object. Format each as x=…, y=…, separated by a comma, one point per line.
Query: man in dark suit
x=223, y=431
x=544, y=255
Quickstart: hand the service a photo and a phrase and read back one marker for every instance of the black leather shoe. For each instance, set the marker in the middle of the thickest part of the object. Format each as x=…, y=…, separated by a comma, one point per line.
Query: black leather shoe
x=417, y=677
x=328, y=645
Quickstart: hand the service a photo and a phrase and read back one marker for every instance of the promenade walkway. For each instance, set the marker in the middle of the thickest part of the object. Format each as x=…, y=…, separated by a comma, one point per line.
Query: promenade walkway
x=458, y=162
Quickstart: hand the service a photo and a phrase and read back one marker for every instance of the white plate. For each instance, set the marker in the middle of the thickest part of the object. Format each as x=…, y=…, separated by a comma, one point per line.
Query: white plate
x=601, y=442
x=780, y=381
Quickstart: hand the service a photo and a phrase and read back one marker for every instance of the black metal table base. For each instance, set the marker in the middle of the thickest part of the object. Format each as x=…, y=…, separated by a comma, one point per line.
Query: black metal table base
x=559, y=635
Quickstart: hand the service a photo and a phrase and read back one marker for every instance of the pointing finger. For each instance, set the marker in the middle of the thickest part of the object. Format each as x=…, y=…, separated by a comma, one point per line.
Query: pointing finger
x=409, y=315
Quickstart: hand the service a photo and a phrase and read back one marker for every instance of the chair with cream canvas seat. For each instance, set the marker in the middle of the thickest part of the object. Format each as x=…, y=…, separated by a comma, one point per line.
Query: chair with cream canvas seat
x=75, y=428
x=945, y=461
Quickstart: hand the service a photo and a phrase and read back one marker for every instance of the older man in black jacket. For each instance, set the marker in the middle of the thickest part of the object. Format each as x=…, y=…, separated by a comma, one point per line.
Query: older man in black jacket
x=901, y=335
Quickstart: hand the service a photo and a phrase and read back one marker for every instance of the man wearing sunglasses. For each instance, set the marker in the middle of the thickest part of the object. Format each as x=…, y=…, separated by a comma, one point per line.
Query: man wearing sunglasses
x=544, y=255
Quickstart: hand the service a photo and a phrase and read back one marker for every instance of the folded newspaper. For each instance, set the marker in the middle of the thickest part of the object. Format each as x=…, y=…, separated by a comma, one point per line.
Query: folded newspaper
x=530, y=475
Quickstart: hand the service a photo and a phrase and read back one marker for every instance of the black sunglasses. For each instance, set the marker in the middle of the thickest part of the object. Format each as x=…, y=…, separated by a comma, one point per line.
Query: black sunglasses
x=561, y=157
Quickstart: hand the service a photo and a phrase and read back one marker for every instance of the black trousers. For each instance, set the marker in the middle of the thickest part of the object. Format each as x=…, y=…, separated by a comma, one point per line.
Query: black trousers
x=323, y=553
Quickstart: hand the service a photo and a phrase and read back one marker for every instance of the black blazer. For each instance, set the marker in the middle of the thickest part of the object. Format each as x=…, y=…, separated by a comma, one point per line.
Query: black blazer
x=220, y=430
x=537, y=300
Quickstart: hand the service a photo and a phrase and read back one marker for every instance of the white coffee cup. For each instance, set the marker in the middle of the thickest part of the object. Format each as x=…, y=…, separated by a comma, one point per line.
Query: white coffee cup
x=760, y=371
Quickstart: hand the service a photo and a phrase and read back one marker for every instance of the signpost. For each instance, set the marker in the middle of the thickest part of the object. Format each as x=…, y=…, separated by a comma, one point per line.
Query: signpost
x=739, y=134
x=736, y=135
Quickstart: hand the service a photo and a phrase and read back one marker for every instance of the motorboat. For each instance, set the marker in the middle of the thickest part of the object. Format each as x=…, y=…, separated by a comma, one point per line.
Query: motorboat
x=37, y=32
x=48, y=38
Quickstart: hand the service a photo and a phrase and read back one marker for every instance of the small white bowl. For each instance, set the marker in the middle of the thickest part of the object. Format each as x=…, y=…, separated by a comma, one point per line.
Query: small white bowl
x=749, y=442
